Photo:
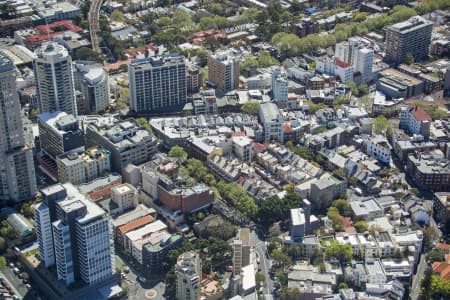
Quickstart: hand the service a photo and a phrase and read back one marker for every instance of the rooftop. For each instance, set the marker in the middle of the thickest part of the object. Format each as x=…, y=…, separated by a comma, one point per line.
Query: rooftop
x=410, y=25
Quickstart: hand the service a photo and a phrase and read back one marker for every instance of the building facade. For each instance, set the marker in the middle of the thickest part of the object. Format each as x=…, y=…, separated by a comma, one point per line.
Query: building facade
x=81, y=236
x=415, y=120
x=59, y=134
x=273, y=122
x=158, y=84
x=85, y=167
x=92, y=81
x=223, y=70
x=54, y=79
x=17, y=174
x=280, y=87
x=188, y=271
x=127, y=143
x=411, y=37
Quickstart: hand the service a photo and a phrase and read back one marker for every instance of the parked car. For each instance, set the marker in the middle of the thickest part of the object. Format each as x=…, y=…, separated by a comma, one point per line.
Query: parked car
x=16, y=271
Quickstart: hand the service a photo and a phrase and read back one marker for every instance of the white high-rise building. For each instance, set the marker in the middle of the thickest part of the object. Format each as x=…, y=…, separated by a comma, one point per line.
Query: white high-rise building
x=362, y=63
x=188, y=271
x=92, y=81
x=44, y=233
x=352, y=52
x=63, y=252
x=17, y=174
x=54, y=79
x=81, y=235
x=280, y=87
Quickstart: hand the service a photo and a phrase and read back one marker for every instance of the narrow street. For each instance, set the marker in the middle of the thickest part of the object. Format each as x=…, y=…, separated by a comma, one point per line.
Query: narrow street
x=415, y=288
x=260, y=249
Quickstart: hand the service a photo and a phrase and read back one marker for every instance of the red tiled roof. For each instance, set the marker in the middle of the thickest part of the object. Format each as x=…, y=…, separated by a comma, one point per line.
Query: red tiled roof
x=258, y=147
x=443, y=246
x=116, y=65
x=341, y=63
x=135, y=224
x=442, y=268
x=420, y=114
x=44, y=32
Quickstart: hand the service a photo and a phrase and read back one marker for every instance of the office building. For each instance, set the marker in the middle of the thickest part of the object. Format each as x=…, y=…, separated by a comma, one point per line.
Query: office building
x=395, y=84
x=59, y=134
x=84, y=167
x=17, y=174
x=241, y=251
x=54, y=79
x=158, y=84
x=125, y=196
x=411, y=37
x=127, y=143
x=280, y=87
x=273, y=122
x=223, y=70
x=92, y=81
x=81, y=236
x=188, y=271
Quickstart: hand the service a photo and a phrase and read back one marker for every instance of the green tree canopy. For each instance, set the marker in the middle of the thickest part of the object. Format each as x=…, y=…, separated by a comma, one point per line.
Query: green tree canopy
x=342, y=252
x=143, y=122
x=381, y=125
x=2, y=262
x=361, y=226
x=177, y=152
x=251, y=107
x=342, y=206
x=335, y=217
x=117, y=16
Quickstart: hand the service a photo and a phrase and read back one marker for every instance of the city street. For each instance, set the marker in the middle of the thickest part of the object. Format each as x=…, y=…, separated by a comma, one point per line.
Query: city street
x=137, y=289
x=260, y=249
x=16, y=283
x=415, y=288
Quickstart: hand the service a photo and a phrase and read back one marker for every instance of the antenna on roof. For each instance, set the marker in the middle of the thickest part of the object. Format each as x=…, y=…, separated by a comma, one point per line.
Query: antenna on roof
x=48, y=29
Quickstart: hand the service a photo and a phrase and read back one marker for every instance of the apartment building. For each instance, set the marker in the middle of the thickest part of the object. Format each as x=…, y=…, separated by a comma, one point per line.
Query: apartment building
x=93, y=82
x=54, y=79
x=127, y=143
x=81, y=236
x=158, y=84
x=241, y=251
x=125, y=197
x=429, y=170
x=223, y=70
x=59, y=134
x=415, y=120
x=17, y=174
x=272, y=121
x=84, y=167
x=188, y=271
x=411, y=37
